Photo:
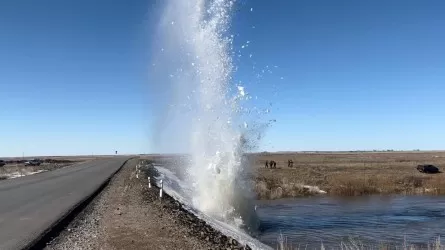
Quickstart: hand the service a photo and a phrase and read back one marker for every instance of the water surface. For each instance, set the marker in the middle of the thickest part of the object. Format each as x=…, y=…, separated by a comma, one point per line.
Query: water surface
x=371, y=219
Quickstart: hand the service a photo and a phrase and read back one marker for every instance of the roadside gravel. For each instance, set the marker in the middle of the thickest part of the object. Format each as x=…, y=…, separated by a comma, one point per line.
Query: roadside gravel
x=128, y=215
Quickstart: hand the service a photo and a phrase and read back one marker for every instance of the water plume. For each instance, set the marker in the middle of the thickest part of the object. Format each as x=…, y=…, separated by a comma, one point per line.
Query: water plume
x=199, y=108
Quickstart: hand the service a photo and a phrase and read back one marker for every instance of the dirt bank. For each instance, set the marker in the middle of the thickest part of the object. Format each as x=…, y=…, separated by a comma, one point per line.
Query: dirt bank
x=128, y=215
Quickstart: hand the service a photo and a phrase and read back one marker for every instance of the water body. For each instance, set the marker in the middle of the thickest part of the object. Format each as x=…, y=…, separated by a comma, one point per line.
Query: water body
x=308, y=222
x=370, y=220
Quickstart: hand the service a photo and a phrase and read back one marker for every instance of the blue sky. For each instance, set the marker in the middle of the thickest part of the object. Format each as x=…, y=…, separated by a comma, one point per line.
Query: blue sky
x=356, y=75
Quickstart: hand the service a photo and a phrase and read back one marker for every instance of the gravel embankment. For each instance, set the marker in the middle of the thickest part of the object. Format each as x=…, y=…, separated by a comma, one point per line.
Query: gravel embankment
x=195, y=227
x=128, y=215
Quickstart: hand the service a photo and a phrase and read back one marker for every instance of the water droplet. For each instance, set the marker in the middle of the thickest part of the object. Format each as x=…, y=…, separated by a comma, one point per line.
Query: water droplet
x=241, y=90
x=251, y=9
x=251, y=57
x=173, y=22
x=282, y=78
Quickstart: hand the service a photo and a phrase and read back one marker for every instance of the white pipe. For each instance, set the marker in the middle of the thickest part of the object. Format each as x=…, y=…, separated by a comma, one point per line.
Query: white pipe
x=160, y=190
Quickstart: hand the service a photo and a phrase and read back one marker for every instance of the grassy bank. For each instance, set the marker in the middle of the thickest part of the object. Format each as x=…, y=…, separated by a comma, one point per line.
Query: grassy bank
x=347, y=174
x=283, y=244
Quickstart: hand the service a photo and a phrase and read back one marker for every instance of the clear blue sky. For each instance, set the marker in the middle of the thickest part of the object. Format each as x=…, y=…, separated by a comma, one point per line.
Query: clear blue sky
x=356, y=74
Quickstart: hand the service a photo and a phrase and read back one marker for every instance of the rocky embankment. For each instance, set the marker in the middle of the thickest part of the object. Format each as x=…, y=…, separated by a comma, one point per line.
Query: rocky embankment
x=196, y=227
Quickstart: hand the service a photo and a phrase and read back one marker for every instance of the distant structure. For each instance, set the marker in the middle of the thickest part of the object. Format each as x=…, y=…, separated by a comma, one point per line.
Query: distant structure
x=116, y=151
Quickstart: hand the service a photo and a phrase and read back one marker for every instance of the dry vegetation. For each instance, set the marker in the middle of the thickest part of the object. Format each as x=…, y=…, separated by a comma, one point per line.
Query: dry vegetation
x=352, y=244
x=348, y=174
x=16, y=168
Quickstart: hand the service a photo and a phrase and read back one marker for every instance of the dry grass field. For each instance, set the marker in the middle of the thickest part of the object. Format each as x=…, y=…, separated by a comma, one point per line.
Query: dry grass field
x=342, y=173
x=347, y=174
x=15, y=167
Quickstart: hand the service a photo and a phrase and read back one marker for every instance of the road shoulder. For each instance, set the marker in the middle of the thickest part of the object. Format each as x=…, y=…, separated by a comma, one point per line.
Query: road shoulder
x=128, y=215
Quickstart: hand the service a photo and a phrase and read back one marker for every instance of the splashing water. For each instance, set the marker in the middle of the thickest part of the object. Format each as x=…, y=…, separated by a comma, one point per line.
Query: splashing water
x=194, y=68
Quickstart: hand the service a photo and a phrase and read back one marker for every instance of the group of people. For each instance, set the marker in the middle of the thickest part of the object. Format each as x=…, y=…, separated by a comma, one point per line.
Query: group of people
x=273, y=164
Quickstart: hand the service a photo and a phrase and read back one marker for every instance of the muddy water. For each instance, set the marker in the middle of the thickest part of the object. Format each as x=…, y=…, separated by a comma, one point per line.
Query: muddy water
x=370, y=220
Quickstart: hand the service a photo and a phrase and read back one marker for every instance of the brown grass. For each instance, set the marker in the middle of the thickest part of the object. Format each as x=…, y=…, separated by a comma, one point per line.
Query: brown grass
x=348, y=174
x=9, y=169
x=283, y=244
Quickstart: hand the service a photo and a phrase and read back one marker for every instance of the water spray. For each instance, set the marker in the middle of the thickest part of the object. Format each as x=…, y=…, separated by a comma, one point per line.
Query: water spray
x=195, y=59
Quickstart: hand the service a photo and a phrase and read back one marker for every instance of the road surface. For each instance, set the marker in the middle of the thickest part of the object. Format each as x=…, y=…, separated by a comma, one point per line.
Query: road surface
x=32, y=204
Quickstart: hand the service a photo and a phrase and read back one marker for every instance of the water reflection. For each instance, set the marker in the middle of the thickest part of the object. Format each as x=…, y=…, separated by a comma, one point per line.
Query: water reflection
x=371, y=219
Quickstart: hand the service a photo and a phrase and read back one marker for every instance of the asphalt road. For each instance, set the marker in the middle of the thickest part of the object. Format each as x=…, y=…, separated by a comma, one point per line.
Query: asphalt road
x=30, y=205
